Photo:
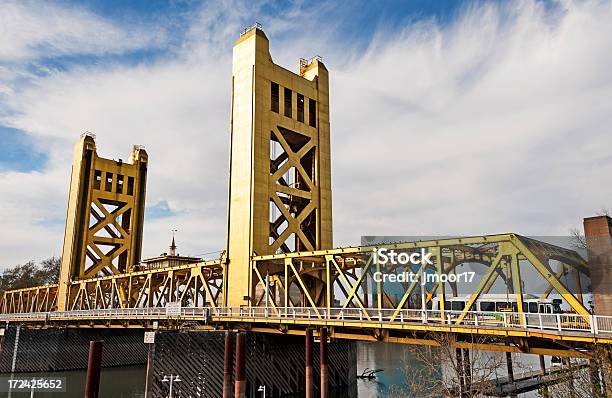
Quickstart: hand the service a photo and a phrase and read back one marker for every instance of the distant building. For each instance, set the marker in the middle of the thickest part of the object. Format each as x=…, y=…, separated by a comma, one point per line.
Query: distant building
x=170, y=259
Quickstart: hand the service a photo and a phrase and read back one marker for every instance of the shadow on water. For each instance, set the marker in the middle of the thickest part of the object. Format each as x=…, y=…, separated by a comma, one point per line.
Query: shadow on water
x=397, y=363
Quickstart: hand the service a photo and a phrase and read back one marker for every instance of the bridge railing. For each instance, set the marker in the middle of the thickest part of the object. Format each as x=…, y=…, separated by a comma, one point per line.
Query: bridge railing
x=592, y=324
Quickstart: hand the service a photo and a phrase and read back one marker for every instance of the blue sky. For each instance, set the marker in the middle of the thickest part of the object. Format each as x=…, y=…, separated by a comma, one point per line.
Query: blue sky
x=503, y=104
x=18, y=152
x=355, y=24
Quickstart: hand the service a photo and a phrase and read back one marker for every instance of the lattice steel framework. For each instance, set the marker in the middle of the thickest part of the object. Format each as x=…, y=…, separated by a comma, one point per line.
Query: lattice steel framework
x=347, y=274
x=105, y=216
x=337, y=278
x=280, y=176
x=34, y=299
x=193, y=285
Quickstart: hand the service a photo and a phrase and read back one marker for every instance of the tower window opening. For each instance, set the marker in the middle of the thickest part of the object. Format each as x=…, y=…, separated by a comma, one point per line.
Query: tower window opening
x=288, y=102
x=300, y=108
x=275, y=95
x=97, y=179
x=119, y=183
x=109, y=182
x=130, y=186
x=312, y=112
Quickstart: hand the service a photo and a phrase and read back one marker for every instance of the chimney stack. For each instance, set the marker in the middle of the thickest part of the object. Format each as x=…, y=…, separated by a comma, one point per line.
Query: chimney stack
x=598, y=234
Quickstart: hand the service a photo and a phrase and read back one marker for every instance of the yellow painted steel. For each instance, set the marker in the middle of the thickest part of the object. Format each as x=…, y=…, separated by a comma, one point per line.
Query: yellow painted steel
x=280, y=176
x=192, y=285
x=34, y=299
x=334, y=266
x=517, y=283
x=292, y=276
x=105, y=216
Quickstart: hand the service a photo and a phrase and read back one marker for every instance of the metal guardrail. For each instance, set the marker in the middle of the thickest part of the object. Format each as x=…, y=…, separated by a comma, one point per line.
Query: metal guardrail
x=246, y=30
x=593, y=324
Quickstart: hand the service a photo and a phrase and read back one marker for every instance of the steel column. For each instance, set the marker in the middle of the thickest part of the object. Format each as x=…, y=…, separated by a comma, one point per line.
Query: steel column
x=149, y=375
x=545, y=392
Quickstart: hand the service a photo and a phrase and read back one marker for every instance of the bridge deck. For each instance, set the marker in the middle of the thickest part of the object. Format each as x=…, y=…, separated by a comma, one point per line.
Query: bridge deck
x=409, y=326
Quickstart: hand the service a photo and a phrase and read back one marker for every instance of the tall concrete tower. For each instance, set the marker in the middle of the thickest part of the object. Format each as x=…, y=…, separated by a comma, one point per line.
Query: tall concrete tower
x=280, y=175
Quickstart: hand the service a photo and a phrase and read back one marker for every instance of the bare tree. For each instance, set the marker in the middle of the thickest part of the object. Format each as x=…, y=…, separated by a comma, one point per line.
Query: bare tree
x=445, y=370
x=577, y=239
x=585, y=379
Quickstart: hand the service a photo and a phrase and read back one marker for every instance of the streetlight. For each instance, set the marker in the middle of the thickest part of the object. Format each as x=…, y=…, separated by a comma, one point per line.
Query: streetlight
x=172, y=379
x=262, y=388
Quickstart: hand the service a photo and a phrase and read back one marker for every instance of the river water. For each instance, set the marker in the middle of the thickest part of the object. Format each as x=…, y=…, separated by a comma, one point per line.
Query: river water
x=396, y=361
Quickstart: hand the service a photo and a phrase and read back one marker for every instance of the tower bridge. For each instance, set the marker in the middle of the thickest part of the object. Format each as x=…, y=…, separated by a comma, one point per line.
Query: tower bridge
x=279, y=273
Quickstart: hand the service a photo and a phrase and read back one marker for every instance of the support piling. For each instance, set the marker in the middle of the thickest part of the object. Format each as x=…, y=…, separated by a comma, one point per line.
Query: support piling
x=240, y=384
x=309, y=375
x=92, y=384
x=324, y=363
x=227, y=365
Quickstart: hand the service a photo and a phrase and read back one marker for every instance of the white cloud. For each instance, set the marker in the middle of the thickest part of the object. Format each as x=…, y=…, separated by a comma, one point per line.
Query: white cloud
x=30, y=29
x=498, y=122
x=178, y=110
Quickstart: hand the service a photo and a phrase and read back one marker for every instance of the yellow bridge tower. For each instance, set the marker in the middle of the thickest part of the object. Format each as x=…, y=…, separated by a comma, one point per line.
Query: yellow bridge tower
x=105, y=216
x=280, y=174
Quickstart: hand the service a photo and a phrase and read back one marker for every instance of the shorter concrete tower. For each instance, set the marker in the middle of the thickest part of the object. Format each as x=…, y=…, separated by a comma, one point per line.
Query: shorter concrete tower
x=105, y=215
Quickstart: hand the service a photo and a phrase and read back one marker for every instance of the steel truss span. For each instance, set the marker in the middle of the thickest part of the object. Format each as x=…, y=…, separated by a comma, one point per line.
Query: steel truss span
x=344, y=296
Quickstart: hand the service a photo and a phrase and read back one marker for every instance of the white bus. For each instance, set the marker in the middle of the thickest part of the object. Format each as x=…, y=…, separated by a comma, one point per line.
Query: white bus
x=501, y=303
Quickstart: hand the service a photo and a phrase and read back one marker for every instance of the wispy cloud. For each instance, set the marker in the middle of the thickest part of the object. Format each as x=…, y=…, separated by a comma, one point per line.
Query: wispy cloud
x=34, y=29
x=489, y=124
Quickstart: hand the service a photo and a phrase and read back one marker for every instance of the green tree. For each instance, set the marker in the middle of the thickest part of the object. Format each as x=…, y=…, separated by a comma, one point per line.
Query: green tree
x=30, y=274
